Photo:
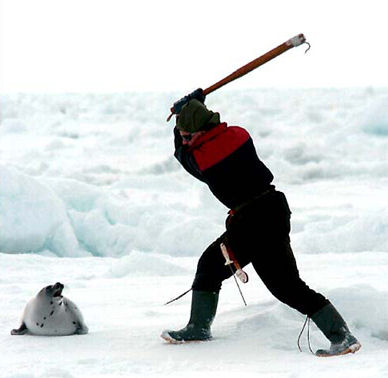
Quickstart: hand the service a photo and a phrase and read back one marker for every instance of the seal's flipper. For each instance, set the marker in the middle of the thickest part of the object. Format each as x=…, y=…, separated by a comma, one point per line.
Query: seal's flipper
x=82, y=329
x=21, y=331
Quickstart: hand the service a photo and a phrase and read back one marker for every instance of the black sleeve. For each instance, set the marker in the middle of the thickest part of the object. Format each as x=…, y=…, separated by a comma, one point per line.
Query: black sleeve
x=185, y=157
x=177, y=138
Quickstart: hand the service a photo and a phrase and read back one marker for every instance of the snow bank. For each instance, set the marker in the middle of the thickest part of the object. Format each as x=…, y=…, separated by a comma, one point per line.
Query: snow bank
x=367, y=231
x=94, y=174
x=365, y=307
x=122, y=303
x=33, y=218
x=140, y=264
x=375, y=119
x=71, y=218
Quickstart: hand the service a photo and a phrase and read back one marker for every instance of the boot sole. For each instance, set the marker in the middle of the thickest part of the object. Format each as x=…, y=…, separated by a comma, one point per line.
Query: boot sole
x=166, y=336
x=352, y=349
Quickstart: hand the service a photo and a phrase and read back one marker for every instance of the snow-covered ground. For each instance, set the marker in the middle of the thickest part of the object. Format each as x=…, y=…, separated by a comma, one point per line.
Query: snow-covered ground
x=91, y=196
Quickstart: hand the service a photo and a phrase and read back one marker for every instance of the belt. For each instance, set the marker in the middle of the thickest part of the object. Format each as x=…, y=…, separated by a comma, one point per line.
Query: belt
x=249, y=202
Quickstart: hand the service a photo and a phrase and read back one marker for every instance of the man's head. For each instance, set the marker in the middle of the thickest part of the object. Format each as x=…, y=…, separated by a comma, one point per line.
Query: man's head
x=195, y=117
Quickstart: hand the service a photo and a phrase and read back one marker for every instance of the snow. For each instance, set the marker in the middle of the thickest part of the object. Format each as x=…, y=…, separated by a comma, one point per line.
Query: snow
x=91, y=196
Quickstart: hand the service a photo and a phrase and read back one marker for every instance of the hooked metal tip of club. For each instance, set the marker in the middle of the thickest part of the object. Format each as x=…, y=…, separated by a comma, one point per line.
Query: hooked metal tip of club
x=309, y=46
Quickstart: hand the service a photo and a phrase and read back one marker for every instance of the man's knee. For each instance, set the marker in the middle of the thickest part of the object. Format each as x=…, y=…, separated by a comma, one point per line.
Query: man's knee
x=298, y=295
x=205, y=282
x=211, y=270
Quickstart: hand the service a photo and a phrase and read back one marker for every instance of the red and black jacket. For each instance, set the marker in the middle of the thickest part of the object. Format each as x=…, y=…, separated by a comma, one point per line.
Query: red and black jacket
x=226, y=160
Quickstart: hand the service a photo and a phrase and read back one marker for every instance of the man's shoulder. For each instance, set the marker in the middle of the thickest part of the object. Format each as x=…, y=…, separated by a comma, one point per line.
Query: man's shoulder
x=238, y=131
x=217, y=147
x=232, y=136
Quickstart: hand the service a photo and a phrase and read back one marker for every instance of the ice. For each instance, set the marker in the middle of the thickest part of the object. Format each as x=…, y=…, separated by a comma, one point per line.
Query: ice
x=375, y=119
x=109, y=164
x=91, y=196
x=33, y=218
x=141, y=264
x=374, y=317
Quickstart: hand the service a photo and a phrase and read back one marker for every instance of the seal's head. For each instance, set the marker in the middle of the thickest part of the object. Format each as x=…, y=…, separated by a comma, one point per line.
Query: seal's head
x=53, y=291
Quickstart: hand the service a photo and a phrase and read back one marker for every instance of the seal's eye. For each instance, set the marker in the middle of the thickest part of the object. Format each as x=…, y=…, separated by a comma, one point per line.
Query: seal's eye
x=49, y=288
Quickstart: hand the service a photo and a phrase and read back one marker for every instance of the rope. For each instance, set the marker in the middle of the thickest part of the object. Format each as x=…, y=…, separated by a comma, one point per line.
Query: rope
x=308, y=336
x=178, y=297
x=307, y=321
x=300, y=334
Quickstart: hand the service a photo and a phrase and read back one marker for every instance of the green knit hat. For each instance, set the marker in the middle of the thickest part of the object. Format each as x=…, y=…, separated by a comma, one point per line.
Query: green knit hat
x=194, y=117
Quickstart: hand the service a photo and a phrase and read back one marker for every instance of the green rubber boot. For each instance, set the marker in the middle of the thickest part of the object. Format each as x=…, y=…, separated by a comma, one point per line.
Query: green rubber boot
x=203, y=311
x=333, y=326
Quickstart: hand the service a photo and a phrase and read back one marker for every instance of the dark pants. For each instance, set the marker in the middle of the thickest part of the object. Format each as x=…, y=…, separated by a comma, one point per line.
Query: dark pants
x=259, y=234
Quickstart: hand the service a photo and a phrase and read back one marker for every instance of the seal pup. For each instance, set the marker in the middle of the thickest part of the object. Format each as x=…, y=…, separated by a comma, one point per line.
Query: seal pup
x=51, y=314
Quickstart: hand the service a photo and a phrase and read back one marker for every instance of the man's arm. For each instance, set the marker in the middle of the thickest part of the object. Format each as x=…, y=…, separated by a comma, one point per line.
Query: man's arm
x=185, y=157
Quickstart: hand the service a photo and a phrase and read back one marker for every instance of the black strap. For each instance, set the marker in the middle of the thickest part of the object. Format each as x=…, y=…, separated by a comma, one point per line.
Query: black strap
x=178, y=297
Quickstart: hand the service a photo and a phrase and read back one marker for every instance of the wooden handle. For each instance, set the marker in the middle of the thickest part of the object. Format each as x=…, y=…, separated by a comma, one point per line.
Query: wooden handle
x=293, y=42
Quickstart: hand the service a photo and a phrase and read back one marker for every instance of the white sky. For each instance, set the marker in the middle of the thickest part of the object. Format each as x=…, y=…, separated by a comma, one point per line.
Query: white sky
x=124, y=45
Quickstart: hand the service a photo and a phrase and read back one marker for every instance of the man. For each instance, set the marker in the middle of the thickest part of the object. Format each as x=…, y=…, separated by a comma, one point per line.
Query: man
x=257, y=228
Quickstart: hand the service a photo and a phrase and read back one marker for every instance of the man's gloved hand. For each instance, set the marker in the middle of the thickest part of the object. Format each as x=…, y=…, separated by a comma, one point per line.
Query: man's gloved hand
x=197, y=94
